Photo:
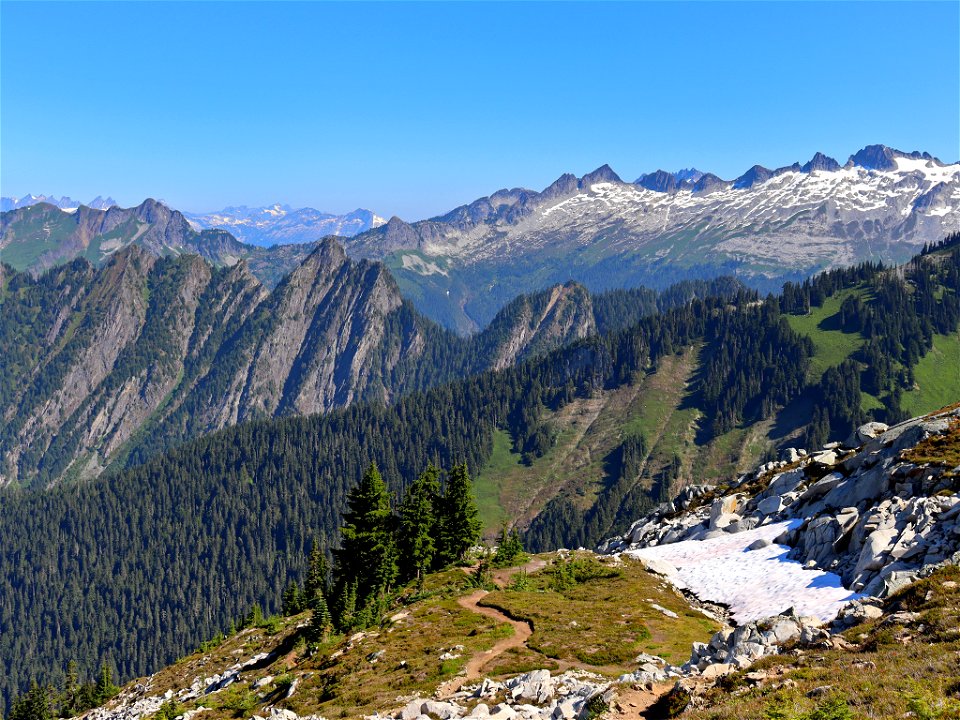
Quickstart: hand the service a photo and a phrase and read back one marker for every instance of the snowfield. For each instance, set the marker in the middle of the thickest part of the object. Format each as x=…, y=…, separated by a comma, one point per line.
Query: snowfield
x=753, y=584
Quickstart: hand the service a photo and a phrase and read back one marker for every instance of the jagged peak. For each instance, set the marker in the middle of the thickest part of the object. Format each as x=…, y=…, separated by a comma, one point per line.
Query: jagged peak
x=659, y=181
x=604, y=173
x=883, y=157
x=819, y=161
x=754, y=176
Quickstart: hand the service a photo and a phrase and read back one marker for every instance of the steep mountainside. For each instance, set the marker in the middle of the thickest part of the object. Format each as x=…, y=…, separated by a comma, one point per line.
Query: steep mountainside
x=146, y=352
x=645, y=408
x=282, y=224
x=40, y=236
x=766, y=226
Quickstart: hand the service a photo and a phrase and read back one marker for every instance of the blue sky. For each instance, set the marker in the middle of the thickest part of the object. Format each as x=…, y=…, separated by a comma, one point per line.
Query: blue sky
x=412, y=109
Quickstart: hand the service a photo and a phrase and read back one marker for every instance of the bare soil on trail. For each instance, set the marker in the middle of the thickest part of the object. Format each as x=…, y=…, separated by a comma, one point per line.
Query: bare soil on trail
x=631, y=704
x=521, y=633
x=521, y=629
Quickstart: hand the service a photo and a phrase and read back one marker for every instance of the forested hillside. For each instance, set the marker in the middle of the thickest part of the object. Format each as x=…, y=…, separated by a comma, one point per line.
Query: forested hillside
x=138, y=566
x=106, y=367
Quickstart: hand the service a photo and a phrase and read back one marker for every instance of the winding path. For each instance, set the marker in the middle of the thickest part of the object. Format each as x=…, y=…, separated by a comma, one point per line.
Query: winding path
x=522, y=630
x=521, y=633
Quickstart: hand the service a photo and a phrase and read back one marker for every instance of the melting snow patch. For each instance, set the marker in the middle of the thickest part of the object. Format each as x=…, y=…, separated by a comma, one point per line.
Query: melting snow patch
x=754, y=584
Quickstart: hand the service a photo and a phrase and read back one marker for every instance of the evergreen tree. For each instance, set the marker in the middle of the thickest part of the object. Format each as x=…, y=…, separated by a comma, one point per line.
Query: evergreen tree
x=292, y=600
x=458, y=519
x=346, y=618
x=318, y=572
x=417, y=525
x=105, y=689
x=367, y=554
x=509, y=548
x=71, y=690
x=36, y=704
x=320, y=622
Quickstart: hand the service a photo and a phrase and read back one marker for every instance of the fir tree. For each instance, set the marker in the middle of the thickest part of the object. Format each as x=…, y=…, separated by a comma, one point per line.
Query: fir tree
x=316, y=584
x=105, y=689
x=36, y=704
x=320, y=622
x=459, y=520
x=416, y=525
x=292, y=600
x=367, y=554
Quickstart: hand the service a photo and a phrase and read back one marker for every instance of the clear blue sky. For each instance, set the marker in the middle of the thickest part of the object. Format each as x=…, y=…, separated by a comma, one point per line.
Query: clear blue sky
x=412, y=109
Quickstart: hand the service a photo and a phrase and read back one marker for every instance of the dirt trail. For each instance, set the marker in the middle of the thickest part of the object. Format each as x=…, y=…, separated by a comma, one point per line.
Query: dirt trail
x=522, y=630
x=632, y=703
x=521, y=633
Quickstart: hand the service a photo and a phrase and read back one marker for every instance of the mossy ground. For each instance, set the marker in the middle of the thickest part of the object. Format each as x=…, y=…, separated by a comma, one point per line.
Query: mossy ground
x=604, y=620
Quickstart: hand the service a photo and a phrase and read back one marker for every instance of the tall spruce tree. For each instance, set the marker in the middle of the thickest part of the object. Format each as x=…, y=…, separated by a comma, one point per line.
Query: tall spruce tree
x=367, y=555
x=317, y=581
x=459, y=525
x=417, y=525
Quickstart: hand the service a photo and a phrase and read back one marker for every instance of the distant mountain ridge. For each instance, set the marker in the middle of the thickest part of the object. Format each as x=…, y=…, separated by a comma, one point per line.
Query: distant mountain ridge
x=766, y=226
x=281, y=224
x=64, y=203
x=39, y=236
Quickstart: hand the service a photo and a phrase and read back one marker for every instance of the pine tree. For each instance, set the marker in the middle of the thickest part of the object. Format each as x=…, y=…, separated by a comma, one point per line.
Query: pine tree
x=105, y=689
x=318, y=572
x=417, y=524
x=35, y=704
x=71, y=689
x=459, y=520
x=367, y=554
x=292, y=600
x=320, y=622
x=346, y=618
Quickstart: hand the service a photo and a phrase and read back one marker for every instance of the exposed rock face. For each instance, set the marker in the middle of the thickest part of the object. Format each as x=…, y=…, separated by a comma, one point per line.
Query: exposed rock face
x=869, y=514
x=535, y=324
x=149, y=351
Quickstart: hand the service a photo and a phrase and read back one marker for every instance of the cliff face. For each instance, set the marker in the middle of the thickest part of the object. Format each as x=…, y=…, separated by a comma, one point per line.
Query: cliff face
x=149, y=351
x=535, y=324
x=171, y=347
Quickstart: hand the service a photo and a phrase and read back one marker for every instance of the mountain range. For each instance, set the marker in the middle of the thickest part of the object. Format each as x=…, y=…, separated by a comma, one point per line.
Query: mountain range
x=281, y=224
x=64, y=203
x=765, y=226
x=41, y=236
x=147, y=351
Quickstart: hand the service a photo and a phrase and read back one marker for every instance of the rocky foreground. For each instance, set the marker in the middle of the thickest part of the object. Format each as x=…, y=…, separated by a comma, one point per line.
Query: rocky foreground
x=863, y=519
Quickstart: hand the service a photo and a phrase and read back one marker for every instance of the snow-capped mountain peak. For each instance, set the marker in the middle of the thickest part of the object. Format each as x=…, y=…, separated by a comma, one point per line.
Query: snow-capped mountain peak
x=280, y=223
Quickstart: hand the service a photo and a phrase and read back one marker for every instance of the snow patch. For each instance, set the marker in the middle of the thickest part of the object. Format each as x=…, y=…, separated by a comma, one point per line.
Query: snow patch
x=754, y=584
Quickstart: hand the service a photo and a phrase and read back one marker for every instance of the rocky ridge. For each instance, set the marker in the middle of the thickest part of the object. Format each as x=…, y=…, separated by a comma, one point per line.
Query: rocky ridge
x=156, y=350
x=765, y=226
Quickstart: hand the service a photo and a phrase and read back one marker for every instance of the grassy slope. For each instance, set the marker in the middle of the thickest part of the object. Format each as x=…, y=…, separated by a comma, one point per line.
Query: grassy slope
x=937, y=377
x=663, y=409
x=659, y=407
x=832, y=345
x=340, y=680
